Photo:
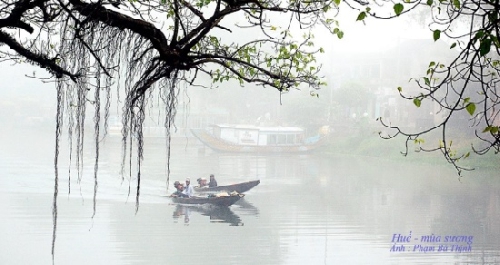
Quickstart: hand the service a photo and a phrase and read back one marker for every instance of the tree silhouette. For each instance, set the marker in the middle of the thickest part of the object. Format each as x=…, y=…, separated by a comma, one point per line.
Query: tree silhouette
x=146, y=47
x=149, y=48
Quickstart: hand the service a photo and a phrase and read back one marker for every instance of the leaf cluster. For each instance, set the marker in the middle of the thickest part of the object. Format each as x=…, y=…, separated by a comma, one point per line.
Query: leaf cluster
x=467, y=84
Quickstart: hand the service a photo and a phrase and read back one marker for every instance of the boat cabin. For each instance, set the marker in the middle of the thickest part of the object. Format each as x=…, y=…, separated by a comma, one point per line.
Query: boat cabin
x=259, y=136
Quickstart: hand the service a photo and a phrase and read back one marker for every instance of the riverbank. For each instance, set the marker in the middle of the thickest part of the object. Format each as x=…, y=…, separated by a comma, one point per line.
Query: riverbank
x=392, y=149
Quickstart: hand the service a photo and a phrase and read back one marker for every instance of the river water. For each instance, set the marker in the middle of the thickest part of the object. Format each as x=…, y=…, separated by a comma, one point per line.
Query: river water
x=308, y=209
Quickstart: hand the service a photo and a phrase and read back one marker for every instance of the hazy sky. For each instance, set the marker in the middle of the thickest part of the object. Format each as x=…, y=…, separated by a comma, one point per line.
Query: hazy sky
x=373, y=35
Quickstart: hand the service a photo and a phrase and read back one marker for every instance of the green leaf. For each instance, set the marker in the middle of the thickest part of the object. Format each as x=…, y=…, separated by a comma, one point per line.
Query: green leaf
x=419, y=141
x=466, y=100
x=493, y=16
x=484, y=47
x=431, y=64
x=453, y=45
x=340, y=34
x=214, y=40
x=427, y=81
x=400, y=89
x=361, y=16
x=456, y=3
x=436, y=34
x=491, y=129
x=479, y=34
x=429, y=2
x=471, y=107
x=337, y=2
x=417, y=102
x=398, y=8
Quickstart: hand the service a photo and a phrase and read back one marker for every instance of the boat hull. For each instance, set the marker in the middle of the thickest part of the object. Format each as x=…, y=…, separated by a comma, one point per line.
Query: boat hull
x=218, y=201
x=239, y=187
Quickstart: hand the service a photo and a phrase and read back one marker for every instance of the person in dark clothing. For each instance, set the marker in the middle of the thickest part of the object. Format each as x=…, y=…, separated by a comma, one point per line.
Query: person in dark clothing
x=178, y=192
x=212, y=182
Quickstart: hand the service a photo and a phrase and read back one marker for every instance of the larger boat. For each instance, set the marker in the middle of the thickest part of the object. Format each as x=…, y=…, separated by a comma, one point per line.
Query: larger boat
x=256, y=139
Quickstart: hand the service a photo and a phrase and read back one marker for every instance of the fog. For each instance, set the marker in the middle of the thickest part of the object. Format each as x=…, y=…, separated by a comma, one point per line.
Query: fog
x=341, y=204
x=374, y=57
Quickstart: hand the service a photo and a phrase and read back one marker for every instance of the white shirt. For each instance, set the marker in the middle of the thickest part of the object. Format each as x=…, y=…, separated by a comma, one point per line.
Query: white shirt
x=188, y=190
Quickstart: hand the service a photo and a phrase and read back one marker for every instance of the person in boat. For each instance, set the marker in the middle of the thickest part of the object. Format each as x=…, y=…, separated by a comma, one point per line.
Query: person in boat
x=202, y=182
x=179, y=190
x=213, y=182
x=188, y=190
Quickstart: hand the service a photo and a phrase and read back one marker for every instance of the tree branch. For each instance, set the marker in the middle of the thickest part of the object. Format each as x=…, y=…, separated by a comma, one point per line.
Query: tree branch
x=97, y=12
x=39, y=59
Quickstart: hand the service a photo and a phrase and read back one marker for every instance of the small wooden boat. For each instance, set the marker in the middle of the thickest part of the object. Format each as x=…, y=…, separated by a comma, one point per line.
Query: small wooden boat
x=239, y=187
x=225, y=200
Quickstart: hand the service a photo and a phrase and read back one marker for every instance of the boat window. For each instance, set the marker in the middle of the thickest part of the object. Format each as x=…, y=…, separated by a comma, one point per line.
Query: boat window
x=271, y=139
x=281, y=139
x=290, y=139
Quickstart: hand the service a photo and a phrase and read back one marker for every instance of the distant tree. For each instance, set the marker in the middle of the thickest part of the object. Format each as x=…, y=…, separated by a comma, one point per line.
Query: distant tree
x=307, y=112
x=353, y=96
x=468, y=84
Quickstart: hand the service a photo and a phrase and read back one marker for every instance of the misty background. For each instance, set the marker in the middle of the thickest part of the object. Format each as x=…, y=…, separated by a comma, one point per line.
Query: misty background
x=362, y=71
x=340, y=205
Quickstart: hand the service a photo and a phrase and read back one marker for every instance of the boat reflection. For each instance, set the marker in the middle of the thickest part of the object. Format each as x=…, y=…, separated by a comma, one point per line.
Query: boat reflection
x=247, y=207
x=217, y=214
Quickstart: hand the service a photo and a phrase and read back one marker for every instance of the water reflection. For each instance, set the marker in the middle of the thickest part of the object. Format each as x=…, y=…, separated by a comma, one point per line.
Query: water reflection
x=247, y=207
x=216, y=214
x=307, y=210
